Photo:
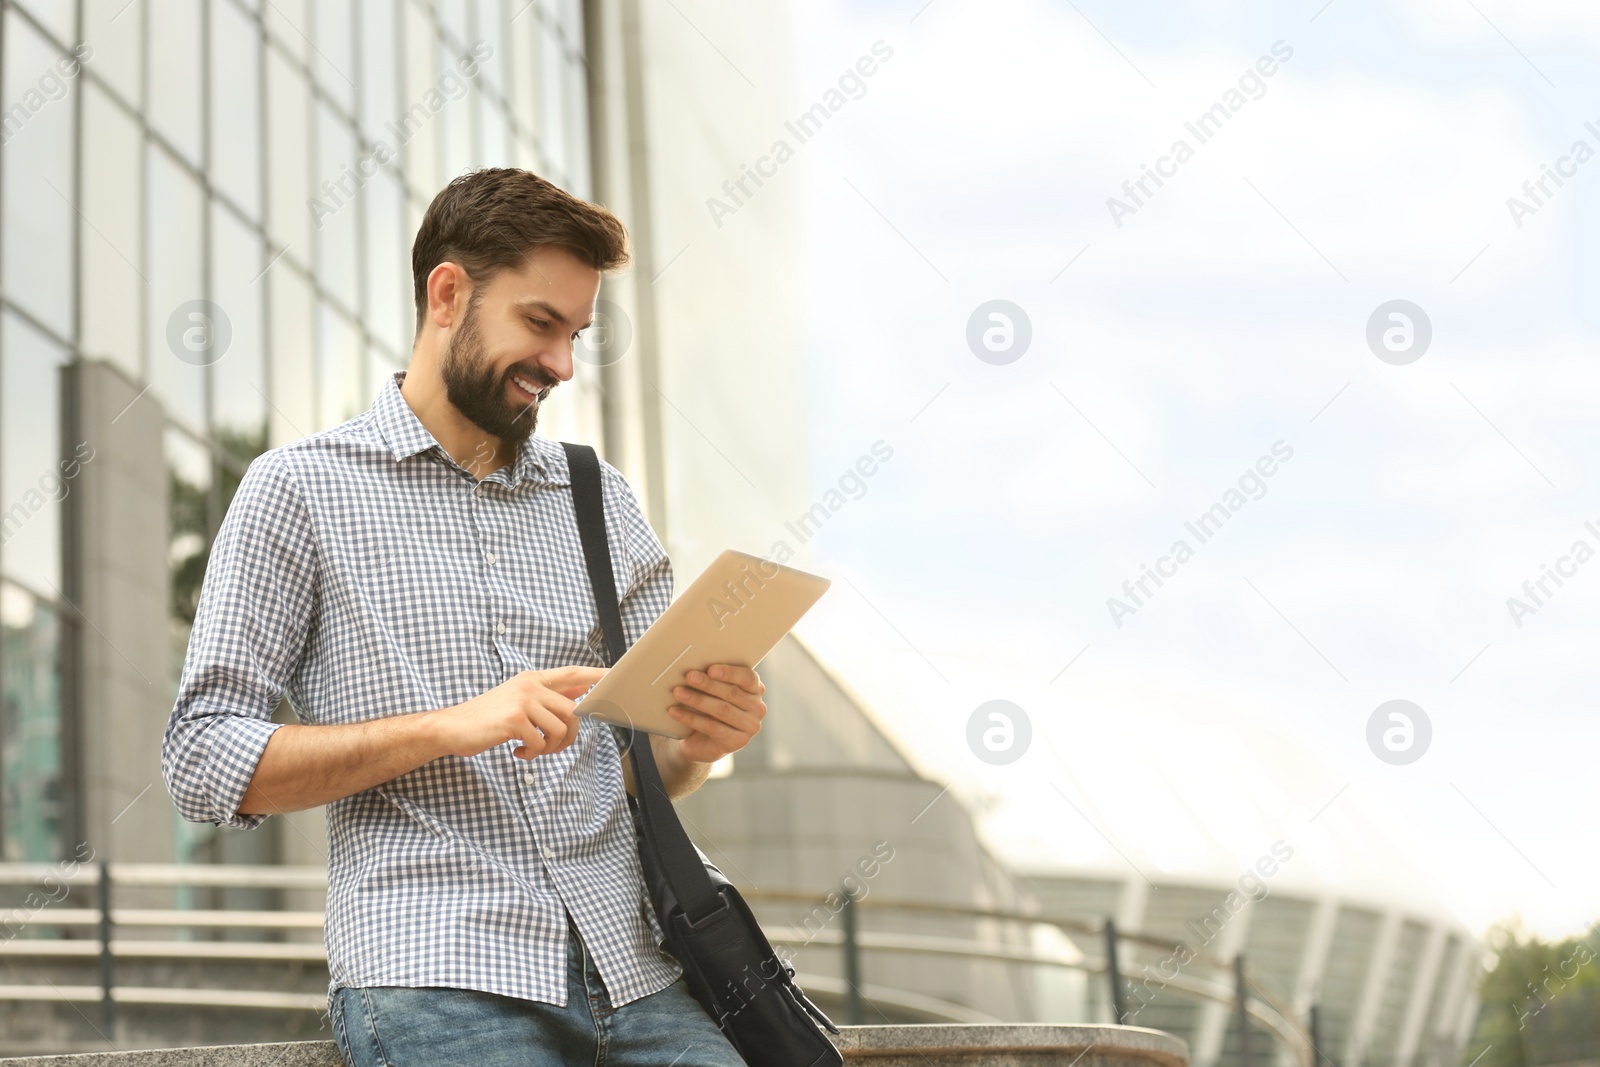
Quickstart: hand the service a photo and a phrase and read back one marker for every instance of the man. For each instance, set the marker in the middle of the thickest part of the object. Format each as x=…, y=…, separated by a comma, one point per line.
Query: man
x=412, y=580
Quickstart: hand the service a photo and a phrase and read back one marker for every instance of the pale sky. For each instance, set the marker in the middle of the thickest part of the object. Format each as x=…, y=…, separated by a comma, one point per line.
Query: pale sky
x=1227, y=314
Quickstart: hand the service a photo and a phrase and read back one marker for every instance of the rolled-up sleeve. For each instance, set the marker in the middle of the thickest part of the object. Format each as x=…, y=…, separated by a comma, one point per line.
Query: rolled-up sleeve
x=256, y=609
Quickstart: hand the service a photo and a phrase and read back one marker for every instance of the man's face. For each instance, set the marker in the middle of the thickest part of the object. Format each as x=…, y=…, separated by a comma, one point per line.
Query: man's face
x=518, y=332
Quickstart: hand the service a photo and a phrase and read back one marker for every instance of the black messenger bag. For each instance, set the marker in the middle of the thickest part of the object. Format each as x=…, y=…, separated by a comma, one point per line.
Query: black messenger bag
x=728, y=964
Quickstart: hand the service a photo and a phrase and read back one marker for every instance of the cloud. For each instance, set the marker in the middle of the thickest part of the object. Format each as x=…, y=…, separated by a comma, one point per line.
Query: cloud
x=1223, y=316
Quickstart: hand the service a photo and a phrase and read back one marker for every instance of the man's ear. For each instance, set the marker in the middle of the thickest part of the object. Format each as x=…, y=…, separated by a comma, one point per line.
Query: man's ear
x=448, y=290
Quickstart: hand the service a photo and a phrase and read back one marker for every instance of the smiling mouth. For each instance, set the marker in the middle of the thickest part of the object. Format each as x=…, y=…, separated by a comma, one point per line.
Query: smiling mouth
x=527, y=387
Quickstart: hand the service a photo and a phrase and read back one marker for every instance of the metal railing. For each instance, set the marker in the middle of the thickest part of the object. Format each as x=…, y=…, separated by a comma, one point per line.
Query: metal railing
x=1230, y=981
x=1235, y=987
x=42, y=910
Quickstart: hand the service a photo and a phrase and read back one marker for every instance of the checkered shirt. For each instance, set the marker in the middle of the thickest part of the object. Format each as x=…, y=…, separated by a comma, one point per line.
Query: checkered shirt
x=362, y=572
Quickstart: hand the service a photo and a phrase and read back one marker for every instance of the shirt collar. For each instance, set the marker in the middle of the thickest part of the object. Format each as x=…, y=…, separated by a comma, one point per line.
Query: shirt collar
x=405, y=435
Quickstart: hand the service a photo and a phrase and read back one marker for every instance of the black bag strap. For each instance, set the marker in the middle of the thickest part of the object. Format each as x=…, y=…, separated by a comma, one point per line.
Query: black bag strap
x=663, y=833
x=588, y=502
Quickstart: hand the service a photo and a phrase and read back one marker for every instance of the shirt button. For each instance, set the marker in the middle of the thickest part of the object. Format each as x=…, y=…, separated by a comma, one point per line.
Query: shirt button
x=491, y=558
x=499, y=627
x=527, y=779
x=549, y=853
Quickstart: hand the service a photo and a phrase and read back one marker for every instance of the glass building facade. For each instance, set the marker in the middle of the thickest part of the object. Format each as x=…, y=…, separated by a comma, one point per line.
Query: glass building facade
x=219, y=198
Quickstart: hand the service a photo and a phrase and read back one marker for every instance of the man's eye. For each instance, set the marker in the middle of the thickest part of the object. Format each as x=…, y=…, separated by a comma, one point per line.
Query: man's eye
x=539, y=323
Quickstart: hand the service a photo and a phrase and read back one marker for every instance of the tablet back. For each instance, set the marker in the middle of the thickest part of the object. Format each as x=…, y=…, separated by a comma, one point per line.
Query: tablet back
x=735, y=612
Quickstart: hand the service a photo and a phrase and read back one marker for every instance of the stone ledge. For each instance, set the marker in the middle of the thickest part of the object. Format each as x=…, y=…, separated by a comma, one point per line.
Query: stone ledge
x=933, y=1045
x=284, y=1054
x=1005, y=1044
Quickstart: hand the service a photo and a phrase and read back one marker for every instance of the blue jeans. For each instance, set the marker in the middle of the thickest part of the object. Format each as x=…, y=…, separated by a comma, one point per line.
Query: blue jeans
x=397, y=1026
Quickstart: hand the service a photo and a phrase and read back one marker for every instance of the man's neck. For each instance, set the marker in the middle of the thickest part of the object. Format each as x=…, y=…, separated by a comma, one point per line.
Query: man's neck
x=480, y=453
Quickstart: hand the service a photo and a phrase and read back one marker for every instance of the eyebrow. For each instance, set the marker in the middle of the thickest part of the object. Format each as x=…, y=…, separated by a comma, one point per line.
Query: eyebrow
x=548, y=310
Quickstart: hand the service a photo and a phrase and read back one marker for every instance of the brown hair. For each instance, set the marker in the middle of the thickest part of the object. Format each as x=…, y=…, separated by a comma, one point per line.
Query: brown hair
x=490, y=219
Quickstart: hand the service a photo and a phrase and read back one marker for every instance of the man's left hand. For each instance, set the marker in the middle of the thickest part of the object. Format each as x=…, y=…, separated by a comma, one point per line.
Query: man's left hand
x=724, y=711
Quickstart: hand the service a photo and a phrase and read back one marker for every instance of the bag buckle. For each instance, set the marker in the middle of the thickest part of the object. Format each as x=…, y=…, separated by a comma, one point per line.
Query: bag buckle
x=705, y=920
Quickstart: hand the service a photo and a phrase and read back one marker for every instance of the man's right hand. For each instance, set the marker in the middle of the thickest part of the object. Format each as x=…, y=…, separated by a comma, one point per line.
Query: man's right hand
x=533, y=707
x=305, y=765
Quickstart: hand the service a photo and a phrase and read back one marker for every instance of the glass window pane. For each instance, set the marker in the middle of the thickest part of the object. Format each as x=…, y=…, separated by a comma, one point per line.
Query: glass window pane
x=520, y=53
x=379, y=369
x=55, y=16
x=238, y=377
x=290, y=25
x=189, y=536
x=113, y=30
x=552, y=122
x=415, y=207
x=288, y=149
x=423, y=169
x=337, y=204
x=339, y=375
x=30, y=727
x=492, y=29
x=30, y=472
x=527, y=157
x=453, y=17
x=333, y=64
x=113, y=254
x=570, y=15
x=388, y=260
x=577, y=130
x=235, y=106
x=454, y=119
x=380, y=366
x=37, y=180
x=178, y=327
x=293, y=339
x=175, y=47
x=380, y=84
x=492, y=130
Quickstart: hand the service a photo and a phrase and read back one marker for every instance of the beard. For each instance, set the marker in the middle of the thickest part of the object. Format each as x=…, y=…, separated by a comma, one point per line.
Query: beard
x=479, y=391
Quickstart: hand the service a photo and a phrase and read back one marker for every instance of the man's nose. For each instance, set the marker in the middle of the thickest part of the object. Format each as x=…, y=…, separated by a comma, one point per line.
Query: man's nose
x=558, y=361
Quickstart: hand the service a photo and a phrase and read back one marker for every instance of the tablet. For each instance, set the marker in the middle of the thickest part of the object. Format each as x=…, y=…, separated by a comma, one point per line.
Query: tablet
x=735, y=612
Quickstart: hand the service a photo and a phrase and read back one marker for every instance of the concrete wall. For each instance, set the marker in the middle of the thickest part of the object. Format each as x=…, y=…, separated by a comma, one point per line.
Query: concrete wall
x=710, y=402
x=118, y=661
x=814, y=721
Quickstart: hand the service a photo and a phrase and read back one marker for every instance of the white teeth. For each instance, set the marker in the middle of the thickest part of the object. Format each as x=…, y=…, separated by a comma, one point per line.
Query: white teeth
x=525, y=385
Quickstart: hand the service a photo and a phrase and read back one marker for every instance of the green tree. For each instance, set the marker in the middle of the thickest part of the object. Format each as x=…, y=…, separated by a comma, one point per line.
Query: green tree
x=1527, y=976
x=192, y=521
